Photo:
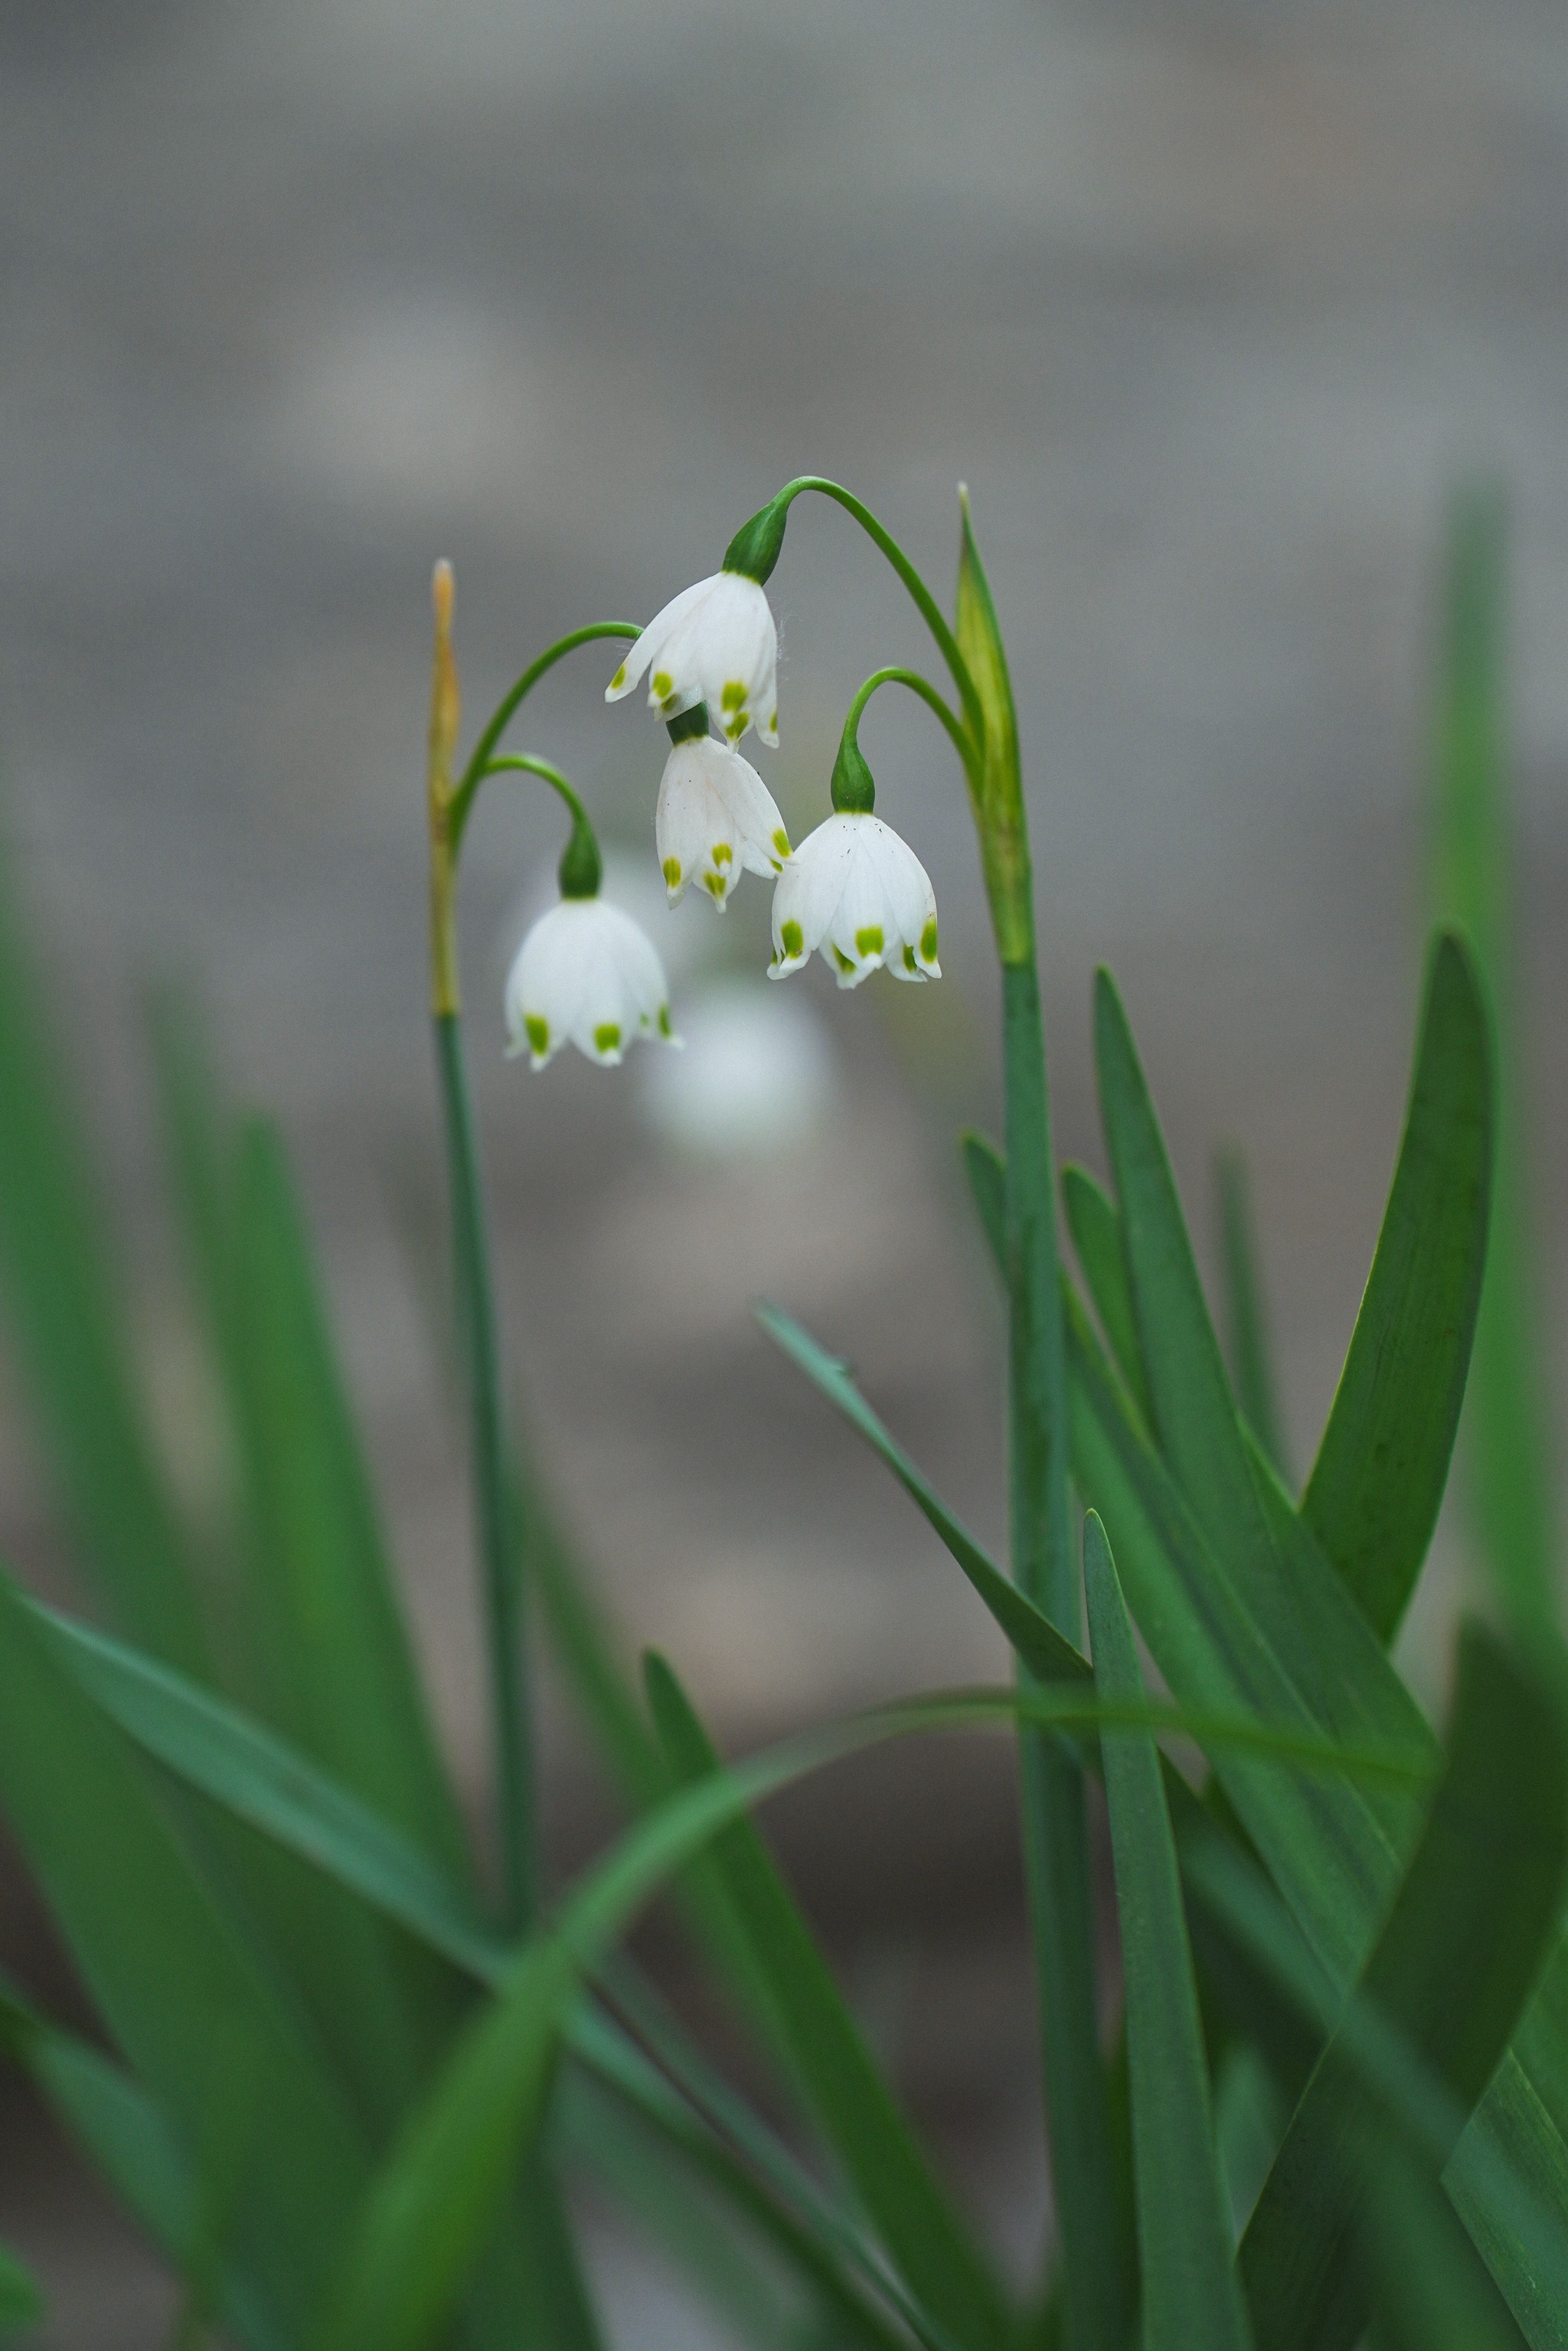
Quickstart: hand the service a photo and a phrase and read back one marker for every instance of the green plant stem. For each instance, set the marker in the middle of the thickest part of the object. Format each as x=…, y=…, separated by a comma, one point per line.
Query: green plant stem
x=494, y=1507
x=1094, y=2272
x=928, y=696
x=926, y=603
x=463, y=796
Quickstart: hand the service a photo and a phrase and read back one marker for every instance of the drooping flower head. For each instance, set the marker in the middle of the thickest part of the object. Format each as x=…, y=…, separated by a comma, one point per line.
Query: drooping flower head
x=715, y=817
x=854, y=892
x=858, y=895
x=715, y=643
x=586, y=975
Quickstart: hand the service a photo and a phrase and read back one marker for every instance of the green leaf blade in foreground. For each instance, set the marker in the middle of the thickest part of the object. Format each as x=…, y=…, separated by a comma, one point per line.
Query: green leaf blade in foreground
x=21, y=2296
x=1373, y=1497
x=1251, y=1360
x=1095, y=1223
x=1189, y=2290
x=1463, y=1946
x=853, y=2106
x=175, y=1987
x=1512, y=1488
x=67, y=1323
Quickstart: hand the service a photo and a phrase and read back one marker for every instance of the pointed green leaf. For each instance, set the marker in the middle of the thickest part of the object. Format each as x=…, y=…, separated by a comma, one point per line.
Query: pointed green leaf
x=178, y=1991
x=1257, y=1390
x=988, y=1172
x=853, y=2107
x=1095, y=1223
x=1371, y=1499
x=66, y=1322
x=1042, y=1648
x=1459, y=1953
x=1189, y=2293
x=1511, y=1481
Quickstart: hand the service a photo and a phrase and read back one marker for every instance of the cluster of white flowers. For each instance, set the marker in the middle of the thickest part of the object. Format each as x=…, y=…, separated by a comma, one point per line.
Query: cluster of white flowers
x=853, y=892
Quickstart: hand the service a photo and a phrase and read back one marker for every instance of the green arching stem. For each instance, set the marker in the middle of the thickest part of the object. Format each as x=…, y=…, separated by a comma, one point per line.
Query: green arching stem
x=926, y=603
x=581, y=866
x=480, y=762
x=498, y=1535
x=928, y=695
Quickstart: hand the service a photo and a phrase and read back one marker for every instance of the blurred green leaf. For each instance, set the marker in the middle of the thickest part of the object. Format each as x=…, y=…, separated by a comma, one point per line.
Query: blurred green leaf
x=21, y=2297
x=1189, y=2291
x=1046, y=1653
x=1451, y=1970
x=1373, y=1497
x=853, y=2107
x=68, y=1324
x=1430, y=2290
x=1252, y=1363
x=1095, y=1223
x=176, y=1987
x=1509, y=1477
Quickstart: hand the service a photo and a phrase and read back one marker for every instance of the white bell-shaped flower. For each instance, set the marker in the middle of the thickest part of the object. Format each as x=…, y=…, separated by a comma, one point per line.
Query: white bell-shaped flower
x=588, y=975
x=715, y=817
x=716, y=643
x=859, y=894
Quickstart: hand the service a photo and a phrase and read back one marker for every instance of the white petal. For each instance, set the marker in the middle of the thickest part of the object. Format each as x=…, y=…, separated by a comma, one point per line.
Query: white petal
x=858, y=938
x=912, y=902
x=654, y=638
x=587, y=975
x=809, y=891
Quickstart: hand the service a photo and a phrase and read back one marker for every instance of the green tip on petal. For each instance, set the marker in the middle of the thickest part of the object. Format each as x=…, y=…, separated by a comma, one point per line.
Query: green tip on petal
x=781, y=842
x=792, y=939
x=607, y=1037
x=666, y=1028
x=672, y=871
x=537, y=1031
x=618, y=679
x=867, y=942
x=928, y=939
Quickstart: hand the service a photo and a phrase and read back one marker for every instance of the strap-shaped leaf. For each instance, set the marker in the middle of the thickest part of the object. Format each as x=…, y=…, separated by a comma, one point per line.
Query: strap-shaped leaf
x=21, y=2296
x=1045, y=1651
x=1373, y=1497
x=1252, y=1358
x=1189, y=2293
x=65, y=1318
x=853, y=2107
x=178, y=1991
x=1095, y=1223
x=1451, y=1970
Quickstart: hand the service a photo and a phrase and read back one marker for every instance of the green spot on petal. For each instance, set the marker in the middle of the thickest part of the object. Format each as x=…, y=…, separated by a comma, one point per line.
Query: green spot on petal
x=537, y=1032
x=607, y=1037
x=672, y=871
x=722, y=854
x=841, y=959
x=867, y=942
x=792, y=939
x=619, y=679
x=665, y=1026
x=714, y=885
x=734, y=696
x=928, y=940
x=664, y=685
x=909, y=962
x=781, y=842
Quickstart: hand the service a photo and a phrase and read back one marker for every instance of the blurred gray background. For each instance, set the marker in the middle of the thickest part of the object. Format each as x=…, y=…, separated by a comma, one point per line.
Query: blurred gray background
x=1210, y=304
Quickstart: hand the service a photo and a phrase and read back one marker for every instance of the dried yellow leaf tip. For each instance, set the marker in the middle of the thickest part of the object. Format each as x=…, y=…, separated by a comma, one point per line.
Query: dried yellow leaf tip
x=445, y=717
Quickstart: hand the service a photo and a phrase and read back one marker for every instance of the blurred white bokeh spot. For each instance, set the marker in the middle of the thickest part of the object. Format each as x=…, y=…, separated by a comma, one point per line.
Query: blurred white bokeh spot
x=758, y=1074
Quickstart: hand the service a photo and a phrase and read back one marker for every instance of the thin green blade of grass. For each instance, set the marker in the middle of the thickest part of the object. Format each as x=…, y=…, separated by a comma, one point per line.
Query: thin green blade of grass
x=1430, y=2290
x=854, y=2110
x=1452, y=1967
x=1189, y=2291
x=1095, y=1223
x=177, y=1990
x=1251, y=1355
x=1046, y=1651
x=1374, y=1494
x=67, y=1320
x=1511, y=1489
